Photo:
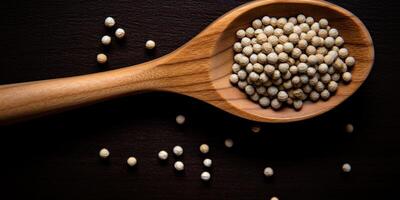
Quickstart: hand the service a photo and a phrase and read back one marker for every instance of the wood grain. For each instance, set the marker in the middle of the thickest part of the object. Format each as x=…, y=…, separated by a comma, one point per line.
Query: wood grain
x=199, y=69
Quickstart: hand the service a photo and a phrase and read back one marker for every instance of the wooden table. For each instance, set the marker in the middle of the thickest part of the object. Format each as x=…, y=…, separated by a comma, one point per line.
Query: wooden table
x=57, y=157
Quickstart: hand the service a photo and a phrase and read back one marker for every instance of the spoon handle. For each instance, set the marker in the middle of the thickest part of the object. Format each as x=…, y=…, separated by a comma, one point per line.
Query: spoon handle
x=30, y=99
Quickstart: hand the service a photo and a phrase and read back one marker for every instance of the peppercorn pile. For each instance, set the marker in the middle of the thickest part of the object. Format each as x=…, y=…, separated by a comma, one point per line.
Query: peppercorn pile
x=288, y=61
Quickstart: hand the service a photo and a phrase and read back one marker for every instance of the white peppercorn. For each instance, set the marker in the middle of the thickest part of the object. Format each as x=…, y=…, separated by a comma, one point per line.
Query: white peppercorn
x=323, y=33
x=228, y=143
x=346, y=77
x=250, y=32
x=253, y=58
x=234, y=78
x=261, y=90
x=343, y=53
x=237, y=47
x=249, y=89
x=311, y=71
x=296, y=80
x=278, y=32
x=204, y=148
x=320, y=58
x=333, y=32
x=266, y=20
x=242, y=75
x=349, y=128
x=302, y=44
x=350, y=61
x=254, y=40
x=101, y=58
x=304, y=79
x=322, y=50
x=272, y=58
x=273, y=21
x=288, y=47
x=282, y=96
x=264, y=101
x=326, y=78
x=319, y=87
x=240, y=34
x=262, y=38
x=254, y=77
x=269, y=69
x=309, y=20
x=288, y=28
x=278, y=48
x=287, y=84
x=109, y=22
x=278, y=82
x=311, y=50
x=329, y=42
x=325, y=94
x=294, y=38
x=283, y=39
x=332, y=86
x=297, y=104
x=339, y=41
x=273, y=40
x=316, y=41
x=275, y=104
x=302, y=68
x=242, y=84
x=243, y=60
x=335, y=77
x=297, y=30
x=304, y=27
x=314, y=80
x=178, y=150
x=323, y=68
x=268, y=172
x=207, y=162
x=283, y=67
x=293, y=69
x=119, y=33
x=312, y=60
x=292, y=20
x=257, y=48
x=301, y=18
x=323, y=23
x=163, y=155
x=257, y=24
x=346, y=167
x=281, y=22
x=303, y=58
x=272, y=91
x=179, y=166
x=261, y=58
x=307, y=89
x=104, y=153
x=283, y=57
x=315, y=27
x=150, y=44
x=247, y=50
x=314, y=96
x=269, y=30
x=131, y=161
x=276, y=75
x=106, y=40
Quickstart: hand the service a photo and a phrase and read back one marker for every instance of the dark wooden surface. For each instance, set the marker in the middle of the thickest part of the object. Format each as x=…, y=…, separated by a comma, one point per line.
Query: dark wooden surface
x=56, y=157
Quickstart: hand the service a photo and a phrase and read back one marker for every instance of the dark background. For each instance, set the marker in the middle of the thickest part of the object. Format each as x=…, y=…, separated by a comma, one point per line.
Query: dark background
x=56, y=157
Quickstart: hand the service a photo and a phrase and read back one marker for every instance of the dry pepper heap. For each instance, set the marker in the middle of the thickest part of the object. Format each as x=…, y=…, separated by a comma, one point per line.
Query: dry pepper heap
x=287, y=61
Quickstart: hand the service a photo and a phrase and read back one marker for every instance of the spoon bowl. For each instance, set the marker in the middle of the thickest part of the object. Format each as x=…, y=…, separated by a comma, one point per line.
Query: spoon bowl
x=199, y=69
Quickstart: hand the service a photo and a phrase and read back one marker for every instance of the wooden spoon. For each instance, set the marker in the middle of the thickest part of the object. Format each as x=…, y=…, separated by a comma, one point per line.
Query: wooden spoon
x=199, y=69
